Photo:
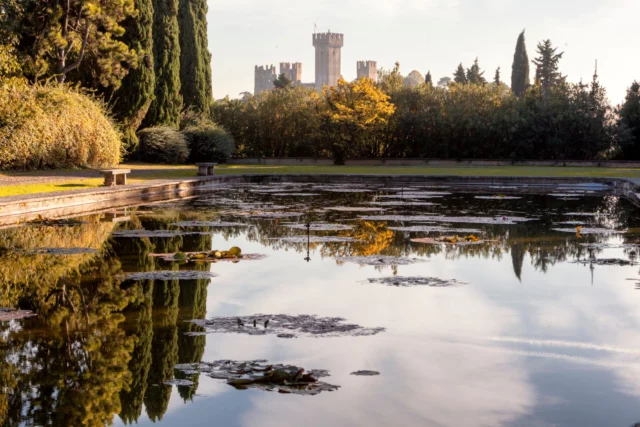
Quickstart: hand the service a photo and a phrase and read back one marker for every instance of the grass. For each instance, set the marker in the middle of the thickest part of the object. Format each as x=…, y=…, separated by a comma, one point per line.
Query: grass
x=145, y=172
x=507, y=171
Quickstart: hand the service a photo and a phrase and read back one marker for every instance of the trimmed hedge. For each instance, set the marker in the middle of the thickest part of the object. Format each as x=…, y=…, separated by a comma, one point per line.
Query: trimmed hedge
x=163, y=144
x=209, y=143
x=54, y=126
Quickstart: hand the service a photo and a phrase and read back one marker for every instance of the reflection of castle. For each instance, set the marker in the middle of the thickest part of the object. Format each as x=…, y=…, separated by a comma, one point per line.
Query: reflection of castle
x=328, y=65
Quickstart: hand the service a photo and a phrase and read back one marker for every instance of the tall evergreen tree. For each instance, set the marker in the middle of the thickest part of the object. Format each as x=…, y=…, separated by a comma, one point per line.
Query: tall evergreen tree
x=195, y=59
x=520, y=68
x=460, y=76
x=165, y=108
x=629, y=122
x=133, y=99
x=547, y=63
x=428, y=79
x=475, y=75
x=496, y=78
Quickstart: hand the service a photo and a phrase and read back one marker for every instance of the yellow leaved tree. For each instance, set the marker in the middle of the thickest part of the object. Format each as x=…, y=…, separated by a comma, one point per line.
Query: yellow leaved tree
x=355, y=118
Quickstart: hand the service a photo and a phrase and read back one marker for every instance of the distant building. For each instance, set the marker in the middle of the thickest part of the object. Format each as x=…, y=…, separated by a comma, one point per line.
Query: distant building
x=328, y=66
x=328, y=58
x=293, y=71
x=368, y=69
x=264, y=77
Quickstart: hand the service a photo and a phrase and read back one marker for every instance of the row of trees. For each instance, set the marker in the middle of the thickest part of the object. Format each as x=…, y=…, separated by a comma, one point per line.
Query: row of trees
x=463, y=117
x=148, y=58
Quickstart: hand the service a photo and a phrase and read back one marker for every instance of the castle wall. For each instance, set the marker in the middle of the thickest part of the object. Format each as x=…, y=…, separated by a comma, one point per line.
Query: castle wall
x=293, y=71
x=368, y=69
x=264, y=77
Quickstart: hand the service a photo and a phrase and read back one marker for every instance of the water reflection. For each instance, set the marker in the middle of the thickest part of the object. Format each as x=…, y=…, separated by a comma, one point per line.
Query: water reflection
x=102, y=347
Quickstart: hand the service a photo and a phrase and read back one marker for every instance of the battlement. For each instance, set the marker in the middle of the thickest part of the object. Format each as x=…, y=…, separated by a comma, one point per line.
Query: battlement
x=368, y=69
x=367, y=64
x=270, y=69
x=328, y=39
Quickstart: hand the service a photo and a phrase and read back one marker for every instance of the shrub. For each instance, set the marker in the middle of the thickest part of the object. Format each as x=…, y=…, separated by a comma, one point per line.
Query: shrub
x=163, y=145
x=54, y=126
x=209, y=143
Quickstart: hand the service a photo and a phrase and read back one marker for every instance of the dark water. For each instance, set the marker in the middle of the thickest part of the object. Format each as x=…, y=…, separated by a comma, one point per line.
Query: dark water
x=524, y=337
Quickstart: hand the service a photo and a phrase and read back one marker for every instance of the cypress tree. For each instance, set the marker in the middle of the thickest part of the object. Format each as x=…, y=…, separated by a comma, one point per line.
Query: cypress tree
x=629, y=122
x=133, y=99
x=166, y=107
x=520, y=68
x=496, y=78
x=195, y=59
x=428, y=79
x=459, y=76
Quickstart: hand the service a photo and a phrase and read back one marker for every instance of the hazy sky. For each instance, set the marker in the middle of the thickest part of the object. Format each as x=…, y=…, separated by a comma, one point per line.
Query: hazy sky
x=425, y=35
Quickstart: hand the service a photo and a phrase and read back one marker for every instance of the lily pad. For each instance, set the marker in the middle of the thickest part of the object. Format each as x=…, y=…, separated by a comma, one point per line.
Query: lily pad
x=317, y=239
x=319, y=227
x=365, y=373
x=403, y=203
x=434, y=229
x=171, y=275
x=295, y=194
x=258, y=374
x=380, y=260
x=274, y=215
x=586, y=230
x=504, y=220
x=267, y=324
x=498, y=197
x=451, y=240
x=210, y=224
x=405, y=282
x=207, y=257
x=8, y=314
x=354, y=209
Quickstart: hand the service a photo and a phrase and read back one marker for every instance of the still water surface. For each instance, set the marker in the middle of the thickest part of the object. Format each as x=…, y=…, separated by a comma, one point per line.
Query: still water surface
x=517, y=334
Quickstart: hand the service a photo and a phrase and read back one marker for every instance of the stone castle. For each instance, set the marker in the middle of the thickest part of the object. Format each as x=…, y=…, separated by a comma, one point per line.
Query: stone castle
x=328, y=66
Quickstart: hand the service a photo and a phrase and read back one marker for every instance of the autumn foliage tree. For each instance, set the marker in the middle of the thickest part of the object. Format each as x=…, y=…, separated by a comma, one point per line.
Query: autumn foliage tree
x=355, y=116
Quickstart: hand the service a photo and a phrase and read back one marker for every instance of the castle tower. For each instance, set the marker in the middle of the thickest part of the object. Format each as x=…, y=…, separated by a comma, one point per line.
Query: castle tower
x=293, y=71
x=264, y=77
x=368, y=69
x=328, y=58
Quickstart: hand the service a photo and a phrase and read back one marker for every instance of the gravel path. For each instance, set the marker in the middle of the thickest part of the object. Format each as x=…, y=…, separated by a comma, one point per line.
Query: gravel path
x=45, y=177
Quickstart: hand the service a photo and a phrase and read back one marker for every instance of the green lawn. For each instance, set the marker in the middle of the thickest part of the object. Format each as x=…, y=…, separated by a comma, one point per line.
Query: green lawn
x=142, y=173
x=436, y=171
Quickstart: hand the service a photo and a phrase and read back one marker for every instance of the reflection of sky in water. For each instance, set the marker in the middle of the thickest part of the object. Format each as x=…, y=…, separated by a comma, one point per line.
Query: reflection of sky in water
x=516, y=346
x=551, y=349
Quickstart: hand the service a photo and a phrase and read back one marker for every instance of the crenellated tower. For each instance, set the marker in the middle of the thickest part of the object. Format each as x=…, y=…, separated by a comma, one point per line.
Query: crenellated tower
x=328, y=58
x=368, y=69
x=293, y=71
x=264, y=77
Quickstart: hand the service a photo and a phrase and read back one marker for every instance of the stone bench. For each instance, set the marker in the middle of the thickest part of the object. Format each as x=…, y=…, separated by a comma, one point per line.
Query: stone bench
x=115, y=176
x=206, y=169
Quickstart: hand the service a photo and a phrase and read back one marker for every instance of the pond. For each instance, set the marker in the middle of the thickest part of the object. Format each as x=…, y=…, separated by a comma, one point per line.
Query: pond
x=529, y=317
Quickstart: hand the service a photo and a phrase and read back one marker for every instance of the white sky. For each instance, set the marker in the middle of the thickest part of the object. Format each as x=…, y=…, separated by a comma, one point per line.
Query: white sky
x=425, y=35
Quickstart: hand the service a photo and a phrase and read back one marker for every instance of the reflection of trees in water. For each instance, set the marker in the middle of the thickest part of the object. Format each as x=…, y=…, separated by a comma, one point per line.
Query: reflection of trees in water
x=73, y=374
